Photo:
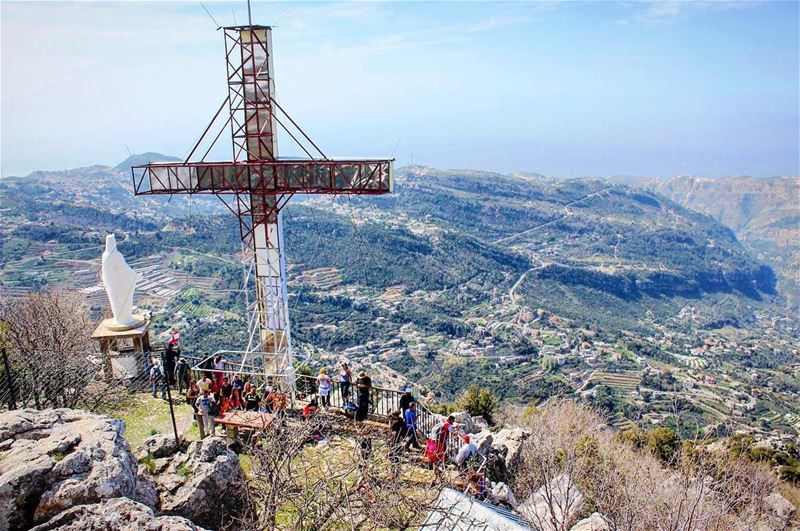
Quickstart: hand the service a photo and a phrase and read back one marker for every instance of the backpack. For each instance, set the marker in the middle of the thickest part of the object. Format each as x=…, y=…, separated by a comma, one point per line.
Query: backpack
x=436, y=430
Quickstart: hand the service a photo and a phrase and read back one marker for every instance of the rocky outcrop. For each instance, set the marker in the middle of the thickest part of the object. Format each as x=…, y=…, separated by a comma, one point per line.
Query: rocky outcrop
x=483, y=440
x=157, y=446
x=57, y=459
x=200, y=483
x=554, y=505
x=508, y=442
x=480, y=423
x=782, y=510
x=116, y=514
x=68, y=469
x=501, y=494
x=594, y=522
x=464, y=421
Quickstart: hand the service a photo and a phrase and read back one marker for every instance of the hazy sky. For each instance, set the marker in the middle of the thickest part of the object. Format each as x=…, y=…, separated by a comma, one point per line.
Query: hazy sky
x=561, y=88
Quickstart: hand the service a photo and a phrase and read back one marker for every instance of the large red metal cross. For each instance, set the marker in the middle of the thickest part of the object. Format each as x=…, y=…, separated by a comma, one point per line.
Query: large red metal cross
x=260, y=183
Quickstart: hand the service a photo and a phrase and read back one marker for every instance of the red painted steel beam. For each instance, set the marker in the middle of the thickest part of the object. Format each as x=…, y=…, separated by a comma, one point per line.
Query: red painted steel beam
x=266, y=177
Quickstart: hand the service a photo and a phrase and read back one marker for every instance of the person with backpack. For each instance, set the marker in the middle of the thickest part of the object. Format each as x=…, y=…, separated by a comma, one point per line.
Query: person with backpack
x=192, y=394
x=405, y=400
x=205, y=408
x=398, y=427
x=158, y=378
x=252, y=399
x=436, y=450
x=170, y=357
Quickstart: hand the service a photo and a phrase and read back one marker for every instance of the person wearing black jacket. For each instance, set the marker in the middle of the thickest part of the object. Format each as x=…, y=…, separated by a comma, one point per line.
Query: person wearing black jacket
x=399, y=432
x=364, y=386
x=170, y=356
x=182, y=374
x=208, y=366
x=406, y=399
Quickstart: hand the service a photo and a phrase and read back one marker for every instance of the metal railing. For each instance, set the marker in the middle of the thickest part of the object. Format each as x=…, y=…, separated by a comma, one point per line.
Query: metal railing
x=382, y=402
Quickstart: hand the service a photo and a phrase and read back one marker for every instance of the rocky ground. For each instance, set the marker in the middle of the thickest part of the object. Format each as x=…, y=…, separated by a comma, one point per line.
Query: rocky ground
x=66, y=469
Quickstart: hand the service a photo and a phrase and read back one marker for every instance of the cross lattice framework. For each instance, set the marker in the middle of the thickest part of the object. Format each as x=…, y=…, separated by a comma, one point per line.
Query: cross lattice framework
x=258, y=184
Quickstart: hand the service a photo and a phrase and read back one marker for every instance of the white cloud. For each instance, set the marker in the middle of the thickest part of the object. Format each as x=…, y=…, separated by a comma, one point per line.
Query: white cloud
x=672, y=11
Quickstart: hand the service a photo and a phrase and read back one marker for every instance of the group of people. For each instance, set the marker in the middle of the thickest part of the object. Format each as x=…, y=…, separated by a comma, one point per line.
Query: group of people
x=213, y=396
x=170, y=368
x=363, y=386
x=405, y=429
x=403, y=422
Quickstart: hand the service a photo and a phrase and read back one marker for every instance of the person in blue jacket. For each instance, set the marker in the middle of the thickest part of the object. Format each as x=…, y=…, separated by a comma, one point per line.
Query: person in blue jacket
x=411, y=426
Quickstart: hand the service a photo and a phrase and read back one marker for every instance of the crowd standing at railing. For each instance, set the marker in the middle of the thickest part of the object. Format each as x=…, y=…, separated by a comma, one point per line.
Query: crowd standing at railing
x=213, y=387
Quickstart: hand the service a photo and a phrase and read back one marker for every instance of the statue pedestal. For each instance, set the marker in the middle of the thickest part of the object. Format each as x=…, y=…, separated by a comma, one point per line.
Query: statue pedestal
x=112, y=325
x=123, y=350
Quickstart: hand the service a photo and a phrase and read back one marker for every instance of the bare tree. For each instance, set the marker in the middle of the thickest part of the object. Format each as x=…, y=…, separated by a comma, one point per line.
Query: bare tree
x=351, y=480
x=633, y=490
x=47, y=339
x=551, y=461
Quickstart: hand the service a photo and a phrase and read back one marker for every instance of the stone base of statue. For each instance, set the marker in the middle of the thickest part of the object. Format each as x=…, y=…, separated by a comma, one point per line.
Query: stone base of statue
x=113, y=325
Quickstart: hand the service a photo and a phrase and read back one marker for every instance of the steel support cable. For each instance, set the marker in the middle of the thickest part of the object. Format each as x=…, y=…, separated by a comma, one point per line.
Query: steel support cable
x=293, y=137
x=197, y=144
x=298, y=127
x=360, y=240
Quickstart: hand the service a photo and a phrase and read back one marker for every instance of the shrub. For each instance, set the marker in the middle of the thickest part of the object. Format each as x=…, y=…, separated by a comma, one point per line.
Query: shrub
x=478, y=401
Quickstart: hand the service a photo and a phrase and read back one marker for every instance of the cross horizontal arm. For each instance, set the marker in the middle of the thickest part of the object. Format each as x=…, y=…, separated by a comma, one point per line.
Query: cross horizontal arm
x=266, y=177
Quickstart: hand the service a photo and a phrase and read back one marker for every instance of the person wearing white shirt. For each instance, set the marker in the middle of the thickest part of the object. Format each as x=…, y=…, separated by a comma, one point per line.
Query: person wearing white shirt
x=467, y=450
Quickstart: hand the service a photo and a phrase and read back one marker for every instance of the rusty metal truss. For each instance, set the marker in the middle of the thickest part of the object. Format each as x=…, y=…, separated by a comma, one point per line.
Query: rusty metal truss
x=256, y=184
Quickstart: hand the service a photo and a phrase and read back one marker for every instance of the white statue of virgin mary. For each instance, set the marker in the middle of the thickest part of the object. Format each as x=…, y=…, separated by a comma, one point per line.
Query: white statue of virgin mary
x=119, y=280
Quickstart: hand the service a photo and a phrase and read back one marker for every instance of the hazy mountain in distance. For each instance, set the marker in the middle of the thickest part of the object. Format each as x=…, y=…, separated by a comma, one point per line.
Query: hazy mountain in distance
x=764, y=213
x=137, y=159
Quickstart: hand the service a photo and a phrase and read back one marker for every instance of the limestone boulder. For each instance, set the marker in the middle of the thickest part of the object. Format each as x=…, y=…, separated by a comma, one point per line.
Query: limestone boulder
x=782, y=510
x=157, y=446
x=594, y=522
x=464, y=421
x=116, y=514
x=483, y=440
x=56, y=459
x=203, y=484
x=557, y=502
x=508, y=441
x=501, y=494
x=480, y=423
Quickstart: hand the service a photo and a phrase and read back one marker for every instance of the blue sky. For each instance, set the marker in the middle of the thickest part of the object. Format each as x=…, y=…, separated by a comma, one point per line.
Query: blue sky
x=560, y=88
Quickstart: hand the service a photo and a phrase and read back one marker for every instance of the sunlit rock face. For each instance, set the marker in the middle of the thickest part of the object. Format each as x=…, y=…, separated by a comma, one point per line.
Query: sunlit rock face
x=119, y=281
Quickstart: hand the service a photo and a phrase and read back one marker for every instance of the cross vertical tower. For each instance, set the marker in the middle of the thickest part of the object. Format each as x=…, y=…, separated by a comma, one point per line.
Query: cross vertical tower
x=258, y=184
